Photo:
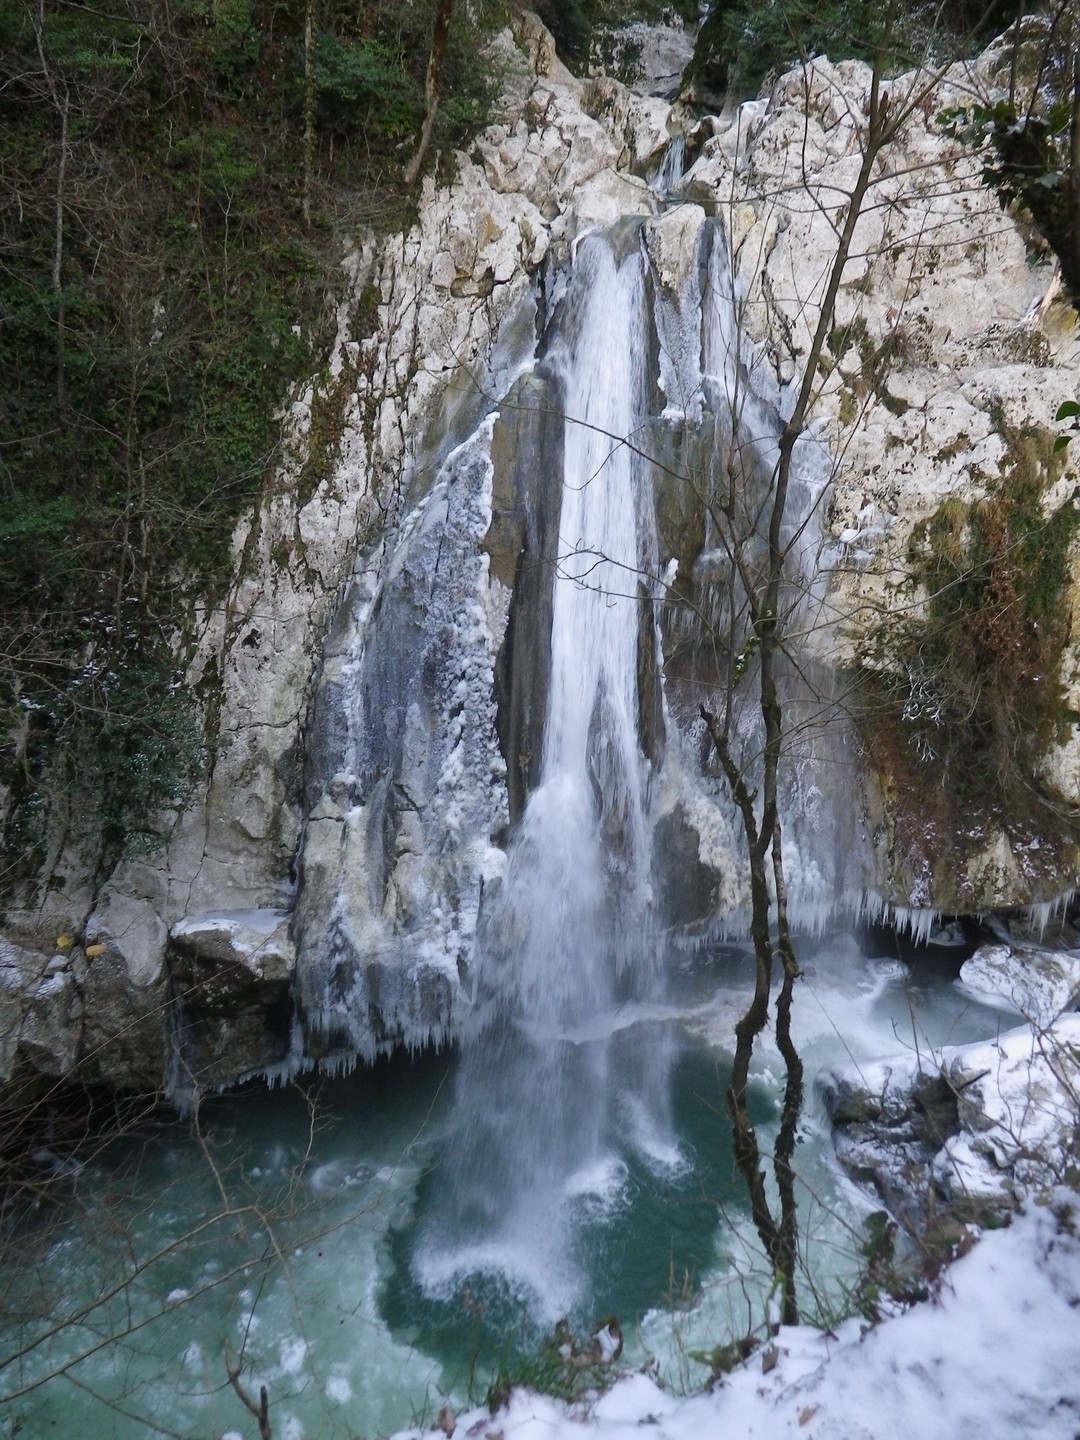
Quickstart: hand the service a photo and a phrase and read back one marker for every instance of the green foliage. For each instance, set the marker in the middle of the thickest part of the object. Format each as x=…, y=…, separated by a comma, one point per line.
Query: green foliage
x=841, y=338
x=117, y=745
x=965, y=699
x=134, y=746
x=743, y=41
x=138, y=416
x=1069, y=410
x=582, y=28
x=365, y=76
x=571, y=24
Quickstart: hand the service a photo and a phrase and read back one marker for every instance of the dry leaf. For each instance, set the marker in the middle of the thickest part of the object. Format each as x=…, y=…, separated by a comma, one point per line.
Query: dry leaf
x=769, y=1359
x=805, y=1416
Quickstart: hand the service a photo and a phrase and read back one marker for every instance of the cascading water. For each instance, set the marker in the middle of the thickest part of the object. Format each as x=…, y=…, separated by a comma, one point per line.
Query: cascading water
x=567, y=936
x=549, y=527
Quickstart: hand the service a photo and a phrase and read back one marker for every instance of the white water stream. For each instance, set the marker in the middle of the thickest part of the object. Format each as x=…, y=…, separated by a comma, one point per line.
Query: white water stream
x=569, y=933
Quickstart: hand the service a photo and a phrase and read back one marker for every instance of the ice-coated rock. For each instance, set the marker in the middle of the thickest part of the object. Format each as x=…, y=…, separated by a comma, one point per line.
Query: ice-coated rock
x=976, y=1127
x=1037, y=984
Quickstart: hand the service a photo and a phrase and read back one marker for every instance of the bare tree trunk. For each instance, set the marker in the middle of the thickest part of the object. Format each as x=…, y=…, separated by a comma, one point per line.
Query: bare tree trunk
x=443, y=16
x=1072, y=179
x=781, y=1255
x=61, y=99
x=780, y=1237
x=784, y=1148
x=309, y=107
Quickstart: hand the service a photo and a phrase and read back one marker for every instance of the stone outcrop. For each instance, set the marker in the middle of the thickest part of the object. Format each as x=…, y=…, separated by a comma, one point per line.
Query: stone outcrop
x=947, y=342
x=974, y=1128
x=432, y=325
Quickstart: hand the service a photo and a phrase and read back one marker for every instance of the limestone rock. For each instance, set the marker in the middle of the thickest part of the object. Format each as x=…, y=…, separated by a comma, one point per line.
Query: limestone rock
x=945, y=337
x=50, y=1034
x=132, y=929
x=432, y=326
x=22, y=972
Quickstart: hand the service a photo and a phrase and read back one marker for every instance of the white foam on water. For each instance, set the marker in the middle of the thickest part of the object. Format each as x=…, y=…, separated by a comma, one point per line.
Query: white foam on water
x=540, y=1278
x=655, y=1145
x=603, y=1180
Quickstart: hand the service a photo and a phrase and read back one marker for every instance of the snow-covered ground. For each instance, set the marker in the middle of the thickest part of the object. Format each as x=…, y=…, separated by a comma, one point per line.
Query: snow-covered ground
x=995, y=1354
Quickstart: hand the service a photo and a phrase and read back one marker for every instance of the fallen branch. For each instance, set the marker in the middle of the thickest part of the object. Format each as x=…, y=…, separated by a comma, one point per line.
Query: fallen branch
x=260, y=1411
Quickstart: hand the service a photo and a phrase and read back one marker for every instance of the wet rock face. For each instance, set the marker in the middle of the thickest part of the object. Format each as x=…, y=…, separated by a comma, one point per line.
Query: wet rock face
x=432, y=326
x=522, y=543
x=685, y=887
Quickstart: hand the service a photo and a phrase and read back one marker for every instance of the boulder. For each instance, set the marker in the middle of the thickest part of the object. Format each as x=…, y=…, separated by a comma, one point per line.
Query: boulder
x=1035, y=983
x=974, y=1128
x=231, y=975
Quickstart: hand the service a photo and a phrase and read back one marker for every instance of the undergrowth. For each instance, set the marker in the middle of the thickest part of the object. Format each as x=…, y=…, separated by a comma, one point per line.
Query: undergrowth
x=960, y=703
x=170, y=243
x=564, y=1365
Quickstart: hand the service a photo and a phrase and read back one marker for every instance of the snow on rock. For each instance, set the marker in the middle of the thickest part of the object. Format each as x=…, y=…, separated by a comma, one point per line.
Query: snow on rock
x=976, y=1126
x=1035, y=983
x=256, y=939
x=992, y=1354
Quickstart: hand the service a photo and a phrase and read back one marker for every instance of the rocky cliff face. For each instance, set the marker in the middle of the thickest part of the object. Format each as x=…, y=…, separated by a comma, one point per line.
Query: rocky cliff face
x=948, y=345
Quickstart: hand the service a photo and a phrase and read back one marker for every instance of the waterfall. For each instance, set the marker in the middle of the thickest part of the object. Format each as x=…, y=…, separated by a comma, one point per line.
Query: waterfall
x=510, y=663
x=514, y=819
x=672, y=166
x=567, y=937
